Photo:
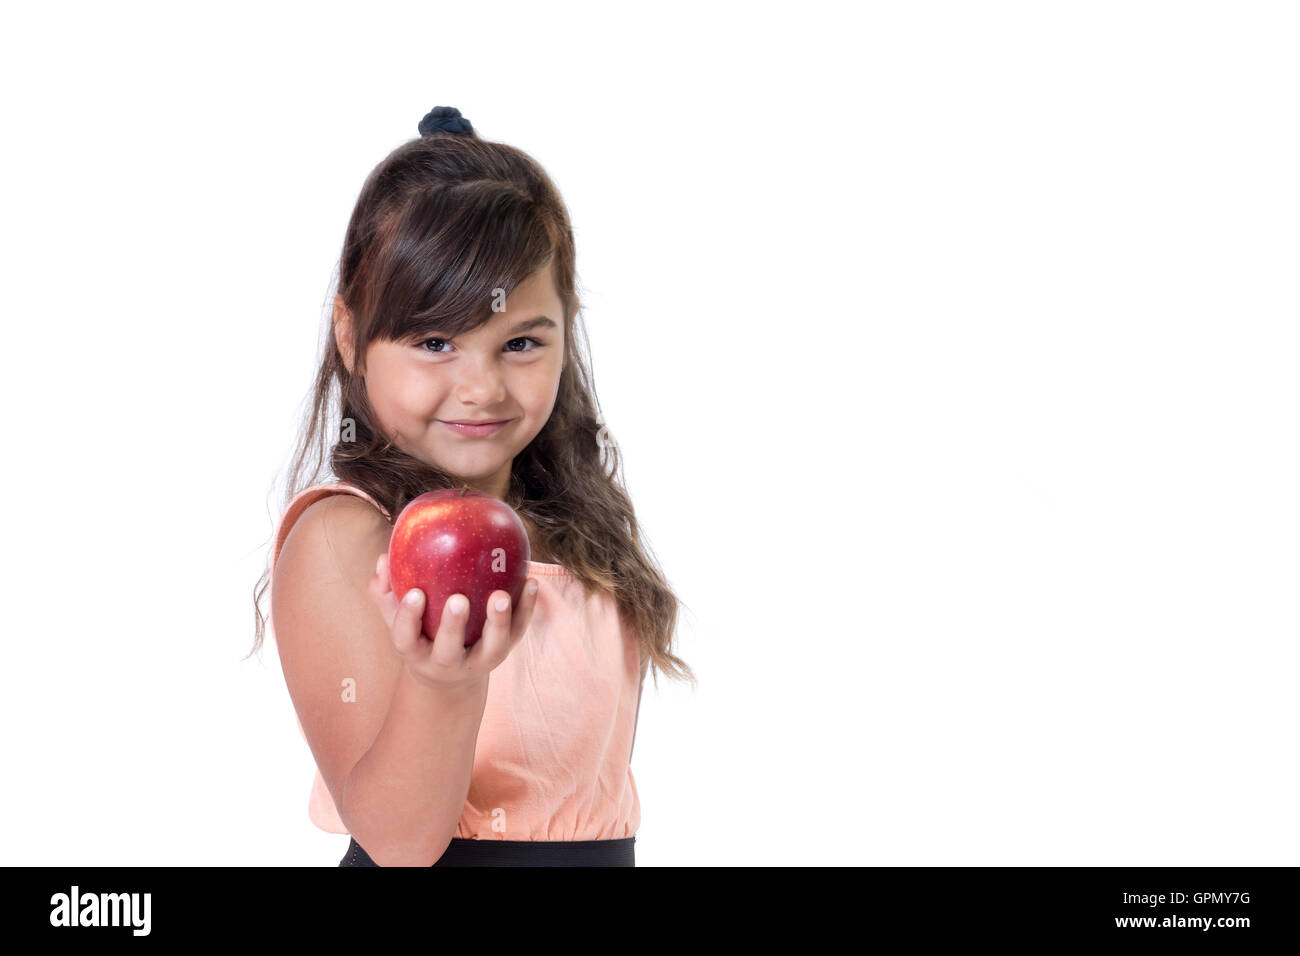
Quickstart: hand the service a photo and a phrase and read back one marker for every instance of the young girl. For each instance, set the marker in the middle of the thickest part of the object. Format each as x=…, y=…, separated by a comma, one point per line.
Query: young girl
x=454, y=352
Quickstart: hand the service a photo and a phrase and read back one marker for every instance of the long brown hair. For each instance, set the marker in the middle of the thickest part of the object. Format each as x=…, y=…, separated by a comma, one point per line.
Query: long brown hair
x=441, y=224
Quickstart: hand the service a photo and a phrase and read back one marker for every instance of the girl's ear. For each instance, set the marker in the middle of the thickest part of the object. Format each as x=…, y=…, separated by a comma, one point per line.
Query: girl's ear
x=343, y=331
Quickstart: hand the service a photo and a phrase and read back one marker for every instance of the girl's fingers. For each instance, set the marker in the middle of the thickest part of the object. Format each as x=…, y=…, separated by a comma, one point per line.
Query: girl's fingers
x=524, y=613
x=381, y=591
x=502, y=630
x=449, y=644
x=496, y=629
x=406, y=622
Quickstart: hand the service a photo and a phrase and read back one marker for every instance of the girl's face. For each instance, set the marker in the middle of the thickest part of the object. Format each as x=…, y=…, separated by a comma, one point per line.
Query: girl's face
x=506, y=370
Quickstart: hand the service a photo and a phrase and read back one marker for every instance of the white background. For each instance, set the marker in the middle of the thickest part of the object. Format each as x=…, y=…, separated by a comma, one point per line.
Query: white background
x=951, y=348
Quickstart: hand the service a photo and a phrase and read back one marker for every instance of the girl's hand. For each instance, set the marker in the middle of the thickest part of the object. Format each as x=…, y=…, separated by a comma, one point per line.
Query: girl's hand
x=445, y=662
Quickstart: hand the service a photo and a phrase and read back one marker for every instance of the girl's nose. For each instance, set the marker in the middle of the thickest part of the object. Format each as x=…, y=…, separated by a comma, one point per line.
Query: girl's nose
x=480, y=385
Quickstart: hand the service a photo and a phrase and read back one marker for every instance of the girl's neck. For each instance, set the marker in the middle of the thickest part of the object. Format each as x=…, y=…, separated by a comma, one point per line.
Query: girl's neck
x=536, y=545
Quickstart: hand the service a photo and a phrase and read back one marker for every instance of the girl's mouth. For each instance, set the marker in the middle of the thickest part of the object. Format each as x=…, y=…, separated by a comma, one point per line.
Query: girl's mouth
x=477, y=431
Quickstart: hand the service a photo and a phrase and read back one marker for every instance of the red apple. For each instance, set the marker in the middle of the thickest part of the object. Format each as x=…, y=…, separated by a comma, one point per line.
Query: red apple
x=453, y=541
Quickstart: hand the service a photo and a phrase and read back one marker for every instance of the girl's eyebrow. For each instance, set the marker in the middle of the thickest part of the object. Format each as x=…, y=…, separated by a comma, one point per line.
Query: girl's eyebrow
x=541, y=320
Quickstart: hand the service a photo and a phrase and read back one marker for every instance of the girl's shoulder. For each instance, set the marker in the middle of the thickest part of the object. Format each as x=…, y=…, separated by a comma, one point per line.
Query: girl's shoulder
x=335, y=510
x=341, y=490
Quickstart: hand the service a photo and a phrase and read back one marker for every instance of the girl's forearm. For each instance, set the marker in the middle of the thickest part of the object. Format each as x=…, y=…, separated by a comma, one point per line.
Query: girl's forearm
x=404, y=798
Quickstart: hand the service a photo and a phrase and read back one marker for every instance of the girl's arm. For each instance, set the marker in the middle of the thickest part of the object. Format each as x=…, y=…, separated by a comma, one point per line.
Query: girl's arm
x=416, y=771
x=396, y=754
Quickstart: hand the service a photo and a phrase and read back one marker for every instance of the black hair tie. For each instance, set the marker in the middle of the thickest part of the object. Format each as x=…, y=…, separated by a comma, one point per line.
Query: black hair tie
x=446, y=118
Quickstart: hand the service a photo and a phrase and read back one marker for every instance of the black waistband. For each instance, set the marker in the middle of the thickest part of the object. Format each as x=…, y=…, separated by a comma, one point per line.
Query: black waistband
x=519, y=853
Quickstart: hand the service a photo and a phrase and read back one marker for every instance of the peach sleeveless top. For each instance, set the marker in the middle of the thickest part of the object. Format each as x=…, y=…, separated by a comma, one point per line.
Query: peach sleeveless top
x=554, y=750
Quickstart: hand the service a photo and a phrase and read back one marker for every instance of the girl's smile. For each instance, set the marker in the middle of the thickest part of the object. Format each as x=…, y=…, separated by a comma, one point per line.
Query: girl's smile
x=476, y=430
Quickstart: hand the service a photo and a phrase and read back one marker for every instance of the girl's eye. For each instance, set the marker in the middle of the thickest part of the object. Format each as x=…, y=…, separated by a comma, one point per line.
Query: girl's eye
x=527, y=338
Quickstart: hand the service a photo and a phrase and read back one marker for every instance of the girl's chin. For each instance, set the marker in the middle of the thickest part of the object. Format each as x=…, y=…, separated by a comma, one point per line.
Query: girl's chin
x=479, y=467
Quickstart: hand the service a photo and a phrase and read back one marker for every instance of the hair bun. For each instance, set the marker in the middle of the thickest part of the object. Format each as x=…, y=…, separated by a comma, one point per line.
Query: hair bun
x=446, y=118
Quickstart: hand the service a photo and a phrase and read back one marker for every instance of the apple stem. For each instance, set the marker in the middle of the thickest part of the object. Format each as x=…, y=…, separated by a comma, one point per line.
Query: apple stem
x=465, y=492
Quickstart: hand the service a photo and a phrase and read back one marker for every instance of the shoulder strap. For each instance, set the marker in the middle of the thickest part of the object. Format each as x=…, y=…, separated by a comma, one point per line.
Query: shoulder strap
x=305, y=499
